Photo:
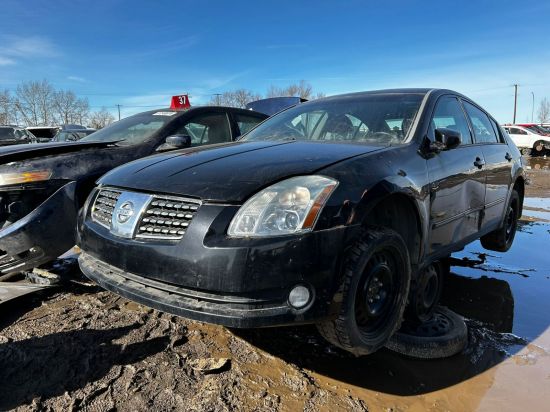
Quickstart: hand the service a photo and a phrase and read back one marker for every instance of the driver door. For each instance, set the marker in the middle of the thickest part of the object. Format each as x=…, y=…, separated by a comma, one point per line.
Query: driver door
x=457, y=181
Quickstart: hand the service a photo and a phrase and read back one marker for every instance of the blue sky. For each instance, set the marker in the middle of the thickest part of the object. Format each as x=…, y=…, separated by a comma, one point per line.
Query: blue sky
x=138, y=53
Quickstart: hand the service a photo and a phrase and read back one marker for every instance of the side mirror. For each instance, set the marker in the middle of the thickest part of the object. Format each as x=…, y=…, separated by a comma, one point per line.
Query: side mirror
x=446, y=139
x=175, y=142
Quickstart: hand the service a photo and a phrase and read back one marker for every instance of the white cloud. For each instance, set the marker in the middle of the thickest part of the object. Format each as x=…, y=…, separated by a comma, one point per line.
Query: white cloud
x=6, y=61
x=16, y=47
x=76, y=79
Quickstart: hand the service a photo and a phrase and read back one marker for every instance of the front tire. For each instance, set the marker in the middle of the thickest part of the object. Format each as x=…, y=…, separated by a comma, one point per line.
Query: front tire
x=374, y=293
x=501, y=239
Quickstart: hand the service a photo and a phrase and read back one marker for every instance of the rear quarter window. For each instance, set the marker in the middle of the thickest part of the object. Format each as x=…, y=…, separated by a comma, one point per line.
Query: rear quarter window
x=483, y=129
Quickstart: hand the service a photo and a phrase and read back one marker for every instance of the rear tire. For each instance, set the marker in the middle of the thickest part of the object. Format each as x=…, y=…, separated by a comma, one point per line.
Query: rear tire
x=538, y=149
x=501, y=239
x=374, y=291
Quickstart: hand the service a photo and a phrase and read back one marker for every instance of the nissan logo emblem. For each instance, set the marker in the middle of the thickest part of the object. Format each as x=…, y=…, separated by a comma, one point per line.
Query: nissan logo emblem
x=125, y=212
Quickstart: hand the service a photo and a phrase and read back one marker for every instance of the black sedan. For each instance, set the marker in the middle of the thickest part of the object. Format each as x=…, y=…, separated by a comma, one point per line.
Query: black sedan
x=331, y=212
x=42, y=186
x=10, y=135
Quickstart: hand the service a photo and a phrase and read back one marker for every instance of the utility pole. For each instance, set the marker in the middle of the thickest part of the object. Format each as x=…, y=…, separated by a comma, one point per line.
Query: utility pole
x=515, y=101
x=218, y=102
x=118, y=106
x=533, y=107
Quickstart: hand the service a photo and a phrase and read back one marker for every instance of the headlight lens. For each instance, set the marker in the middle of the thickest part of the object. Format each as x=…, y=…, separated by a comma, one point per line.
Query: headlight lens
x=287, y=207
x=24, y=177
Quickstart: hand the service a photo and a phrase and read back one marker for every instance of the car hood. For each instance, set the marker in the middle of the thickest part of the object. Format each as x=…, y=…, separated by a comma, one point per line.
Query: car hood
x=230, y=173
x=27, y=151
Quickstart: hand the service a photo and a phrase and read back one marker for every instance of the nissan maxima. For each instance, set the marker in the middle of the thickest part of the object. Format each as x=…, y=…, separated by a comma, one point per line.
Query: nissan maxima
x=330, y=212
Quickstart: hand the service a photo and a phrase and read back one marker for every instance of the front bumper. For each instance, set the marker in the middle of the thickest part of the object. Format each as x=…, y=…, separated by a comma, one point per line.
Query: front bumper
x=42, y=235
x=208, y=277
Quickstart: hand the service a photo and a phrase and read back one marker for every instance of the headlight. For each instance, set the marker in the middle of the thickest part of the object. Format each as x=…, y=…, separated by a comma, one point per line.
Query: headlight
x=24, y=177
x=287, y=207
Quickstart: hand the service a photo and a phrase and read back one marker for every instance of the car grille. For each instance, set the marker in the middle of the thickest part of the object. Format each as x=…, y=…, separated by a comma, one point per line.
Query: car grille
x=104, y=205
x=163, y=217
x=167, y=218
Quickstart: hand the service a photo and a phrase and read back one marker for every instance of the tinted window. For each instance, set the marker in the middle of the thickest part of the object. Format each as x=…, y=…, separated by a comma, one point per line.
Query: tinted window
x=449, y=115
x=483, y=131
x=7, y=133
x=246, y=123
x=132, y=130
x=369, y=118
x=497, y=130
x=207, y=129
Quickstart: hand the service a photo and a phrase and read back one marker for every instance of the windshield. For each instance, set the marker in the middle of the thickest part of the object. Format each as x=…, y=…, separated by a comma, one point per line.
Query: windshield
x=537, y=129
x=71, y=136
x=132, y=130
x=370, y=118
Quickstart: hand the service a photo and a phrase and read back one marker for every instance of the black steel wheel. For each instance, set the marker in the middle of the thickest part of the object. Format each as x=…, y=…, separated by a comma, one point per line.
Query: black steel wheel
x=501, y=239
x=374, y=290
x=425, y=293
x=445, y=334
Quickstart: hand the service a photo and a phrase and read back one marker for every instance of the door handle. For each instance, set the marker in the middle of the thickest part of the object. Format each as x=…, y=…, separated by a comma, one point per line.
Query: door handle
x=479, y=163
x=508, y=157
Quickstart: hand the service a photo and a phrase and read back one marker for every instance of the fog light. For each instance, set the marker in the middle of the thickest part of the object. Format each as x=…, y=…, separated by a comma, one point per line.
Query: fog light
x=299, y=296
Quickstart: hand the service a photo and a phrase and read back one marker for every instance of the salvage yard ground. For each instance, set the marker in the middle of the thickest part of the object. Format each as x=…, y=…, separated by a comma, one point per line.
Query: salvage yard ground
x=81, y=347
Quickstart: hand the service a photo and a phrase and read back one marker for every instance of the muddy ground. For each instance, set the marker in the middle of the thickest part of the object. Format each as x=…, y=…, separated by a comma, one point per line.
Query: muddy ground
x=79, y=347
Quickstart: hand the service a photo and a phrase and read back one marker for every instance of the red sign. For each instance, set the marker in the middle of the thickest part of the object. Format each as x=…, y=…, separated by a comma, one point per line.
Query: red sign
x=180, y=102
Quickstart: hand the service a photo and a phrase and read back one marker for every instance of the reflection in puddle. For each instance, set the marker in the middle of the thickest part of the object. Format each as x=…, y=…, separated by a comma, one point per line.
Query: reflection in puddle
x=505, y=298
x=537, y=163
x=536, y=208
x=527, y=258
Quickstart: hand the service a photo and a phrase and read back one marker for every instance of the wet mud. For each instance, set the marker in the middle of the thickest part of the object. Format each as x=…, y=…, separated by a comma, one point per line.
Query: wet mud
x=78, y=347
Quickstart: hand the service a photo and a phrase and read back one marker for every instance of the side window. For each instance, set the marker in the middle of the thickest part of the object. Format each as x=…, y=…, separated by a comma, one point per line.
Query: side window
x=498, y=131
x=208, y=128
x=483, y=130
x=448, y=114
x=246, y=123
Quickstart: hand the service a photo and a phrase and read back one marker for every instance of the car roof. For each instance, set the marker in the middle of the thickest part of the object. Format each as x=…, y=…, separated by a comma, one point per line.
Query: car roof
x=405, y=90
x=199, y=109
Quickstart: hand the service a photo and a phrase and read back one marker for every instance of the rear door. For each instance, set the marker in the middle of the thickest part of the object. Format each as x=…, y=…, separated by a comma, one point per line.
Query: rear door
x=498, y=164
x=457, y=177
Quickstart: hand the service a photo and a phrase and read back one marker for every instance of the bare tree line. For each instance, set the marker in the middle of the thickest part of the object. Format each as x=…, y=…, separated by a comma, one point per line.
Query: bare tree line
x=543, y=114
x=240, y=97
x=38, y=103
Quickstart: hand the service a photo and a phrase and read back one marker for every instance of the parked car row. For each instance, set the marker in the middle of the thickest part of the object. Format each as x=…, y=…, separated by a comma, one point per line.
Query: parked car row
x=334, y=212
x=530, y=138
x=10, y=135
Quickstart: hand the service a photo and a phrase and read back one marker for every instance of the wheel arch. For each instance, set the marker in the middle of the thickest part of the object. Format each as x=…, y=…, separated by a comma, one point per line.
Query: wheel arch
x=398, y=211
x=519, y=186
